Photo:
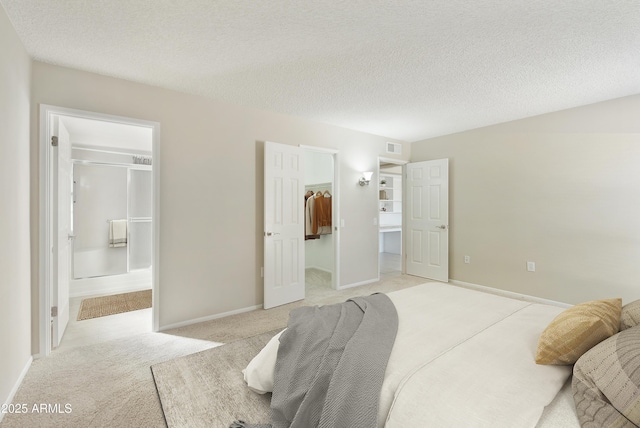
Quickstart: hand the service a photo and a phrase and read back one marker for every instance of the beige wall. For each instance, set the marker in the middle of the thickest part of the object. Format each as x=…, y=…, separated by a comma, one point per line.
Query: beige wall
x=561, y=189
x=15, y=318
x=212, y=188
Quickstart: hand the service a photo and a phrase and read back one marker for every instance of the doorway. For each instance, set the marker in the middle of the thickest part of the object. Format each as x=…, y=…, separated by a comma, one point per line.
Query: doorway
x=77, y=149
x=285, y=221
x=320, y=236
x=390, y=205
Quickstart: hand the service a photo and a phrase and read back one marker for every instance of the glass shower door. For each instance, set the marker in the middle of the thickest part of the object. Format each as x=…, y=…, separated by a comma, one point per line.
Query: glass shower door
x=140, y=209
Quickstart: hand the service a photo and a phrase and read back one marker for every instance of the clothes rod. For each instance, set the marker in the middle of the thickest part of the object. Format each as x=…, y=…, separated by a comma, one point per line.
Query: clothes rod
x=318, y=186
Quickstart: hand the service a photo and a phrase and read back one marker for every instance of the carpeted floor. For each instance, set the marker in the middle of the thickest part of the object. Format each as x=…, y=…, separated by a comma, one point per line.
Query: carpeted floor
x=110, y=384
x=104, y=385
x=206, y=389
x=95, y=307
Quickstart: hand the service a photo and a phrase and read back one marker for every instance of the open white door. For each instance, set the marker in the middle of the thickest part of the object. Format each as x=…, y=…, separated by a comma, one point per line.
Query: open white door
x=284, y=280
x=427, y=217
x=62, y=235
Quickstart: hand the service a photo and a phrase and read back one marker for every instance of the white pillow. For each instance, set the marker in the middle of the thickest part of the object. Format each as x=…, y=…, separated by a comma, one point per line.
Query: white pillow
x=259, y=373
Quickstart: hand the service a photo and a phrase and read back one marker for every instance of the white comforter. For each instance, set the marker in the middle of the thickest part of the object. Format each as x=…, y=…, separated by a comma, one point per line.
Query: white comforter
x=466, y=358
x=461, y=358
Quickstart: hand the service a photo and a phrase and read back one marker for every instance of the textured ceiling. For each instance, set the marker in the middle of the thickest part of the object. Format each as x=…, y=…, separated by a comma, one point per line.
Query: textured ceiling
x=403, y=69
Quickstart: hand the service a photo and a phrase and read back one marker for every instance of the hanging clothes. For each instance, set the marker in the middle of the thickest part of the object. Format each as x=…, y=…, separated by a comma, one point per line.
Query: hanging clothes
x=322, y=220
x=309, y=210
x=318, y=214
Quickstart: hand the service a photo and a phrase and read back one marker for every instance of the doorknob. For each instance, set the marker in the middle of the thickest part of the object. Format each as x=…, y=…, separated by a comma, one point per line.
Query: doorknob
x=442, y=226
x=270, y=233
x=70, y=236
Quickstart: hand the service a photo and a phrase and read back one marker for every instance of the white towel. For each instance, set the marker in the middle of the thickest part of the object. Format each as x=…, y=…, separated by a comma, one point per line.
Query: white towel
x=117, y=233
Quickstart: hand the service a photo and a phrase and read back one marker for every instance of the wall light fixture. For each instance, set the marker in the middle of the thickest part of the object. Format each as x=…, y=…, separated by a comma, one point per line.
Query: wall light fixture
x=366, y=177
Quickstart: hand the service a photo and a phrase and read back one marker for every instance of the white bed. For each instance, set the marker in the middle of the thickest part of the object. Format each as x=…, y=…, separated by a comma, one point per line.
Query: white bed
x=464, y=358
x=467, y=358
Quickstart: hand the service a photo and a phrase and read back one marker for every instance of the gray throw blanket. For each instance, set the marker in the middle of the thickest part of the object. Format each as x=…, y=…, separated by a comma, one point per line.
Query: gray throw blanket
x=331, y=364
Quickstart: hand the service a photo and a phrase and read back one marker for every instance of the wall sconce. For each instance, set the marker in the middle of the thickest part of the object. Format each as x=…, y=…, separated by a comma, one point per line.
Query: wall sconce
x=366, y=177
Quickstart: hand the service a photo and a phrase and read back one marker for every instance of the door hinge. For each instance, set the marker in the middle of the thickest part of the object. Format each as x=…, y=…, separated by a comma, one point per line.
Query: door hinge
x=54, y=311
x=54, y=141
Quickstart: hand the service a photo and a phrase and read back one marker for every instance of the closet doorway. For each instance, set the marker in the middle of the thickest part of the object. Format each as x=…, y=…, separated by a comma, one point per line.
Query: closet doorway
x=321, y=219
x=390, y=204
x=296, y=268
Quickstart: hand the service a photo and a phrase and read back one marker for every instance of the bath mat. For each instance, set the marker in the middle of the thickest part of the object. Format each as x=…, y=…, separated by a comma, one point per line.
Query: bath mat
x=95, y=307
x=206, y=389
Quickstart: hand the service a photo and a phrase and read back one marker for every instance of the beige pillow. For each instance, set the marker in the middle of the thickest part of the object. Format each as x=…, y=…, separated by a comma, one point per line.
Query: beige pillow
x=606, y=382
x=577, y=329
x=630, y=316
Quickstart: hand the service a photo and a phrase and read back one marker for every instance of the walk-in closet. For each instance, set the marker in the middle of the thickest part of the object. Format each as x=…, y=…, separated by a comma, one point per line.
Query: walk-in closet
x=319, y=213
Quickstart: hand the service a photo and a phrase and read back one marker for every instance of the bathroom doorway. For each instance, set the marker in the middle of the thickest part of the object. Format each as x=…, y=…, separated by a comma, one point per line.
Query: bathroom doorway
x=106, y=198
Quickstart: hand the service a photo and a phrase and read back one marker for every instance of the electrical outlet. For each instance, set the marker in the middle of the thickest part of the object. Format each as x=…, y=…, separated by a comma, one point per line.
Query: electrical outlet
x=467, y=259
x=531, y=266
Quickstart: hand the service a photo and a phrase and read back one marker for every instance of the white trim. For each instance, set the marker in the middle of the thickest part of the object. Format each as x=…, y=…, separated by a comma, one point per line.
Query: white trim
x=510, y=294
x=44, y=238
x=393, y=161
x=14, y=390
x=319, y=149
x=46, y=112
x=357, y=284
x=209, y=318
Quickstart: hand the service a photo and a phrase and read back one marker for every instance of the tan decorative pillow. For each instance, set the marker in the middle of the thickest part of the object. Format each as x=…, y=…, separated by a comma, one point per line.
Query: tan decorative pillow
x=630, y=316
x=577, y=329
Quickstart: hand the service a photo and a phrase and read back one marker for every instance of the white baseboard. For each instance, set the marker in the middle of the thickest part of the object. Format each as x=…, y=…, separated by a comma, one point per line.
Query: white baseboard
x=209, y=318
x=14, y=390
x=357, y=284
x=510, y=294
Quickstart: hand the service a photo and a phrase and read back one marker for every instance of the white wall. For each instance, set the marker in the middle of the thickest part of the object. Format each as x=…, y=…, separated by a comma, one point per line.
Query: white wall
x=15, y=303
x=560, y=189
x=212, y=154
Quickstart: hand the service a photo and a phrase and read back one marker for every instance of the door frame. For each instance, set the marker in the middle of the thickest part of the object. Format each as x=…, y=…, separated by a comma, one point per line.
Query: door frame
x=335, y=212
x=45, y=269
x=403, y=164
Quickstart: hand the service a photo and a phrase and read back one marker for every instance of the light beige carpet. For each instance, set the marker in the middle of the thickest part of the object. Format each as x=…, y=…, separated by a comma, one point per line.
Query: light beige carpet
x=207, y=389
x=104, y=385
x=110, y=384
x=95, y=307
x=248, y=324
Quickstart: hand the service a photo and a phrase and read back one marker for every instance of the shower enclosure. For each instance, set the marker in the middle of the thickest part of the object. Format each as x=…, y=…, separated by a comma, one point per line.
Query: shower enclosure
x=103, y=193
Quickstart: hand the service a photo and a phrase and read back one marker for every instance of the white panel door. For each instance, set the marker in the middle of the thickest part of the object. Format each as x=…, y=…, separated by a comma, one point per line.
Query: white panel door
x=427, y=230
x=62, y=232
x=283, y=224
